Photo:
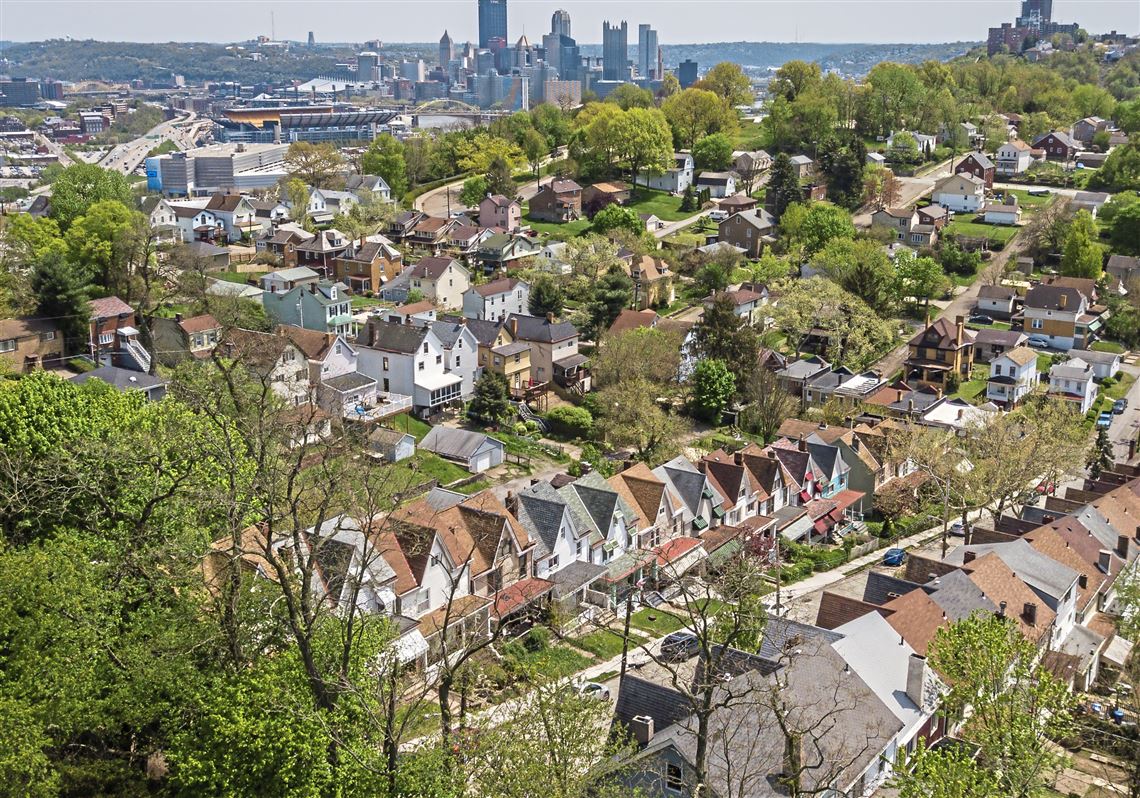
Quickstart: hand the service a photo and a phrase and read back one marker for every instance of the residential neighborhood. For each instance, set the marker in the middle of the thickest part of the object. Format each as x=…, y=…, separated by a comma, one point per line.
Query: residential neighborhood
x=416, y=416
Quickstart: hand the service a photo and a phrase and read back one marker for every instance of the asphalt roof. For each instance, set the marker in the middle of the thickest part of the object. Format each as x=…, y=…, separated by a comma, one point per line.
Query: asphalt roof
x=458, y=444
x=540, y=510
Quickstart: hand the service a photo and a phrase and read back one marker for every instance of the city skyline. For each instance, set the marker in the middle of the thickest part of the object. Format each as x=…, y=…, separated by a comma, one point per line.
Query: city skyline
x=847, y=21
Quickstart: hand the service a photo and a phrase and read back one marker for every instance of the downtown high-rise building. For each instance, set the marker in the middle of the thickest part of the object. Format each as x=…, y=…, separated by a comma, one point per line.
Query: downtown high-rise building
x=560, y=23
x=446, y=50
x=1035, y=13
x=647, y=52
x=492, y=21
x=615, y=51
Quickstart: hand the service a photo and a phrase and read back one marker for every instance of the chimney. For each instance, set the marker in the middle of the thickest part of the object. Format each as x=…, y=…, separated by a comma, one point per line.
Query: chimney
x=1029, y=613
x=641, y=726
x=1062, y=301
x=915, y=678
x=1122, y=547
x=961, y=413
x=1137, y=536
x=1104, y=560
x=938, y=391
x=898, y=394
x=1083, y=581
x=802, y=444
x=514, y=327
x=738, y=458
x=910, y=405
x=511, y=502
x=856, y=444
x=549, y=318
x=1001, y=609
x=960, y=325
x=177, y=318
x=969, y=557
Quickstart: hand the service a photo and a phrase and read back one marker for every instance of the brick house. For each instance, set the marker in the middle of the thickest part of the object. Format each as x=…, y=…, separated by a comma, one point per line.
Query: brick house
x=559, y=200
x=979, y=165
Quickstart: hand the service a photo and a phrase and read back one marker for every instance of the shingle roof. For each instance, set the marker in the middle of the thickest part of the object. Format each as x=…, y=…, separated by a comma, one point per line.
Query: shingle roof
x=541, y=509
x=458, y=444
x=108, y=307
x=503, y=285
x=1021, y=355
x=123, y=379
x=534, y=328
x=981, y=159
x=432, y=268
x=394, y=337
x=197, y=324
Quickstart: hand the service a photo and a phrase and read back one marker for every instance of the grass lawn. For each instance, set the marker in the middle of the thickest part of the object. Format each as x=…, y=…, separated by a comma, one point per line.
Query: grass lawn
x=361, y=302
x=1044, y=363
x=980, y=230
x=656, y=622
x=405, y=422
x=1108, y=346
x=602, y=643
x=974, y=388
x=1120, y=388
x=557, y=662
x=236, y=277
x=661, y=204
x=562, y=231
x=997, y=325
x=1029, y=202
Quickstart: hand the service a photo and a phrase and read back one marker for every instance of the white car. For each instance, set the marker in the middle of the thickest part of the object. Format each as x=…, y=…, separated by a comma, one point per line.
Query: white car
x=718, y=216
x=594, y=690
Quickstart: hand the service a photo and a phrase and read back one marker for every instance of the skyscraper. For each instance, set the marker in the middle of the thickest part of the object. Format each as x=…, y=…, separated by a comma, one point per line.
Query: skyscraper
x=615, y=51
x=646, y=51
x=492, y=21
x=560, y=23
x=687, y=73
x=446, y=50
x=1039, y=10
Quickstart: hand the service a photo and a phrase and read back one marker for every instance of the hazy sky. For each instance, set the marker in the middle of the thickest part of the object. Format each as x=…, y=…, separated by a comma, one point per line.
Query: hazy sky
x=679, y=21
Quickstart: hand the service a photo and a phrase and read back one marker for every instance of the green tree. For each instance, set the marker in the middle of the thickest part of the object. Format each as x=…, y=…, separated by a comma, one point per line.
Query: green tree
x=861, y=267
x=856, y=335
x=895, y=97
x=500, y=179
x=728, y=81
x=644, y=141
x=630, y=416
x=27, y=238
x=919, y=278
x=536, y=147
x=957, y=260
x=317, y=165
x=546, y=296
x=783, y=185
x=843, y=160
x=724, y=336
x=492, y=398
x=793, y=78
x=713, y=152
x=713, y=388
x=80, y=186
x=651, y=354
x=61, y=294
x=385, y=157
x=612, y=294
x=96, y=243
x=474, y=190
x=1125, y=230
x=1082, y=255
x=627, y=96
x=296, y=194
x=822, y=222
x=617, y=217
x=1121, y=170
x=695, y=113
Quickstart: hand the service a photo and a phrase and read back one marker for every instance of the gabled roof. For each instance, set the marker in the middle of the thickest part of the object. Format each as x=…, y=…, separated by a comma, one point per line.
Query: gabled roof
x=392, y=336
x=942, y=334
x=504, y=285
x=1059, y=135
x=540, y=329
x=227, y=203
x=540, y=510
x=315, y=345
x=197, y=324
x=457, y=444
x=108, y=307
x=642, y=490
x=499, y=201
x=996, y=292
x=1021, y=355
x=981, y=159
x=432, y=268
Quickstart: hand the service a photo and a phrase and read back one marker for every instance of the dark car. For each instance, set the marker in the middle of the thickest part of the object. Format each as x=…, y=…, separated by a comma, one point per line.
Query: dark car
x=1119, y=405
x=679, y=646
x=981, y=318
x=894, y=557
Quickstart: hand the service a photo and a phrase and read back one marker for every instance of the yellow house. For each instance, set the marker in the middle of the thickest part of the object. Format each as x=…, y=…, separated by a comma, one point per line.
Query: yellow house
x=943, y=349
x=501, y=353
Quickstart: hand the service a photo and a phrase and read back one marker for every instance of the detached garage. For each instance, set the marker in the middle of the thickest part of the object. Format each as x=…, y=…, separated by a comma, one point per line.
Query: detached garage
x=473, y=450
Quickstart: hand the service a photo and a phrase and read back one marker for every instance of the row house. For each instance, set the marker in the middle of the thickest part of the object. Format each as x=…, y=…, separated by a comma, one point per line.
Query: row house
x=429, y=234
x=321, y=251
x=367, y=265
x=501, y=353
x=702, y=507
x=460, y=352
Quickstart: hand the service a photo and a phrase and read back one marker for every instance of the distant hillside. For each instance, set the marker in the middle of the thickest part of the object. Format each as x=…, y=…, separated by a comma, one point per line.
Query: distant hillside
x=123, y=61
x=759, y=57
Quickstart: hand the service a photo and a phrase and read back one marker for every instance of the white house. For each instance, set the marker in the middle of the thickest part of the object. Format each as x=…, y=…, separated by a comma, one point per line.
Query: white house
x=703, y=506
x=496, y=300
x=545, y=515
x=553, y=258
x=364, y=185
x=1074, y=381
x=1013, y=376
x=675, y=179
x=237, y=215
x=283, y=280
x=195, y=223
x=996, y=300
x=442, y=280
x=460, y=352
x=340, y=388
x=324, y=204
x=1002, y=214
x=603, y=516
x=1013, y=157
x=719, y=184
x=1104, y=364
x=408, y=360
x=962, y=192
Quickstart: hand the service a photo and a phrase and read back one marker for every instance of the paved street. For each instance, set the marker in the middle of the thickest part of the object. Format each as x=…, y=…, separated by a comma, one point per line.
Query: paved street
x=911, y=190
x=1125, y=426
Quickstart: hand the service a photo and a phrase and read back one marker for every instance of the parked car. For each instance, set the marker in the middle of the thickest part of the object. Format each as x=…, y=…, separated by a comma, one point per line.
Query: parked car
x=1104, y=420
x=718, y=216
x=1039, y=342
x=679, y=646
x=894, y=557
x=1039, y=192
x=981, y=318
x=594, y=690
x=957, y=530
x=1119, y=406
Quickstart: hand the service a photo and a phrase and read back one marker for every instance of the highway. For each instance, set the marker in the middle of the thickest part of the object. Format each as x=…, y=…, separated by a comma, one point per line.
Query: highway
x=126, y=158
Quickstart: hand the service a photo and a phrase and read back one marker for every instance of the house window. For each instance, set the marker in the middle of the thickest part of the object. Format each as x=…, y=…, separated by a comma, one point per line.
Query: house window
x=1037, y=324
x=420, y=367
x=425, y=348
x=47, y=336
x=385, y=364
x=674, y=779
x=106, y=338
x=8, y=346
x=438, y=359
x=553, y=562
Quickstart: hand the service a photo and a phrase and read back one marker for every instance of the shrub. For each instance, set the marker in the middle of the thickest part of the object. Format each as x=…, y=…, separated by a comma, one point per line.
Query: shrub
x=520, y=429
x=569, y=421
x=537, y=639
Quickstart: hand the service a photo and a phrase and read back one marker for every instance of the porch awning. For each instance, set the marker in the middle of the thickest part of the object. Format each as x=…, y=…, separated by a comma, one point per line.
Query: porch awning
x=627, y=564
x=519, y=595
x=573, y=361
x=679, y=555
x=410, y=646
x=725, y=552
x=700, y=523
